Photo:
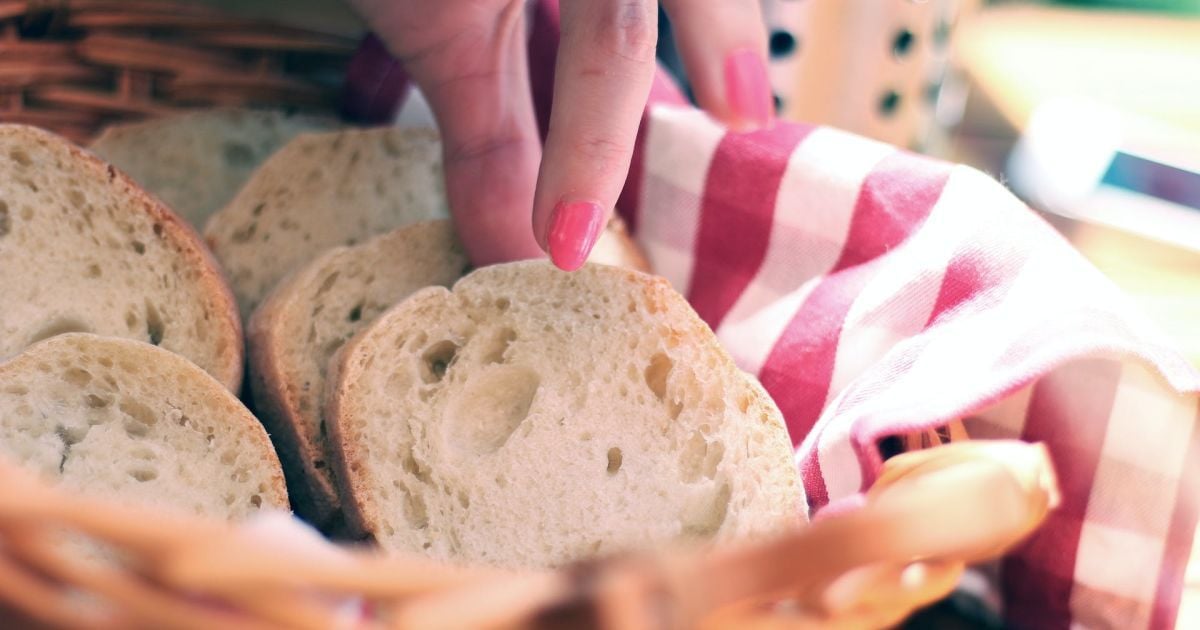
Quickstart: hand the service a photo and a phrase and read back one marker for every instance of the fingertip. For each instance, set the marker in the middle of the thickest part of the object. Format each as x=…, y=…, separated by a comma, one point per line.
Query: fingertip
x=572, y=232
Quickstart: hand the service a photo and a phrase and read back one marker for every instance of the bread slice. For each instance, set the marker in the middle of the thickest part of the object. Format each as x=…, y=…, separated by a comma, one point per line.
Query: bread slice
x=123, y=419
x=532, y=417
x=83, y=249
x=308, y=317
x=197, y=161
x=320, y=191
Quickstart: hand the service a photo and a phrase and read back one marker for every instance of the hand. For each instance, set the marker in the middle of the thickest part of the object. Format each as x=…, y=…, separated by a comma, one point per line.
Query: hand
x=469, y=59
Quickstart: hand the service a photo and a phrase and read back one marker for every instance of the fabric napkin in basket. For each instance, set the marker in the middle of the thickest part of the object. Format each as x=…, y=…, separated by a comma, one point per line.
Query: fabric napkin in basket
x=876, y=293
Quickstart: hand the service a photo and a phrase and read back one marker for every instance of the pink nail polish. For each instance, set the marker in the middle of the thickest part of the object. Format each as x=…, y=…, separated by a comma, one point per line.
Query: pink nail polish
x=574, y=228
x=747, y=89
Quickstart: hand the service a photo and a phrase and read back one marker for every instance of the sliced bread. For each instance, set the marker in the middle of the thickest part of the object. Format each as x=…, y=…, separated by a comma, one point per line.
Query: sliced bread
x=197, y=161
x=83, y=249
x=123, y=419
x=532, y=417
x=323, y=190
x=304, y=321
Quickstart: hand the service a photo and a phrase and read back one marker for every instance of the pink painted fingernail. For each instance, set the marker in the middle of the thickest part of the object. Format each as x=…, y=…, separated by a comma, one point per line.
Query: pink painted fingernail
x=574, y=228
x=747, y=89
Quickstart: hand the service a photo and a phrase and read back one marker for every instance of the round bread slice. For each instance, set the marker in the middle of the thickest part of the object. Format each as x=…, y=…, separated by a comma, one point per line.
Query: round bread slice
x=197, y=161
x=83, y=249
x=308, y=317
x=323, y=190
x=122, y=419
x=531, y=417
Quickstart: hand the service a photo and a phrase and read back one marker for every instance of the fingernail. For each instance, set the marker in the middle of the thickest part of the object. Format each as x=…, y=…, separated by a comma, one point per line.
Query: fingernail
x=574, y=228
x=747, y=89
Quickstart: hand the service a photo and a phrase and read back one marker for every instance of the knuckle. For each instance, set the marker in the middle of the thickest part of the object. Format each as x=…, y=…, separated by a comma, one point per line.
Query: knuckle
x=628, y=29
x=603, y=151
x=482, y=147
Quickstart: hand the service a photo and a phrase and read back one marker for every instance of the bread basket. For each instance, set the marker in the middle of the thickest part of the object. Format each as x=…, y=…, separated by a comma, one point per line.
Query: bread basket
x=931, y=513
x=73, y=66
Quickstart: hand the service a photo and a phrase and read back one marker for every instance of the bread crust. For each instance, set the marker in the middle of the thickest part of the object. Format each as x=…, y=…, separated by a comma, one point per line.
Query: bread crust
x=180, y=235
x=314, y=494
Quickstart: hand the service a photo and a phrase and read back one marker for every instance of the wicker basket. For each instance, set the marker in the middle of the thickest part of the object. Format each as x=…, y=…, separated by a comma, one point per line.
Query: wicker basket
x=930, y=514
x=73, y=66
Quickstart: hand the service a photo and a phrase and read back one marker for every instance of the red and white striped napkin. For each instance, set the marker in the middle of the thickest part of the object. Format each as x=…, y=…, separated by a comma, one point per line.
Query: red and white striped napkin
x=876, y=293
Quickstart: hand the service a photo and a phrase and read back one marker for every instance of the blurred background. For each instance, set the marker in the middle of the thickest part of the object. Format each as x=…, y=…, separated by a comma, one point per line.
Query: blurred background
x=1090, y=111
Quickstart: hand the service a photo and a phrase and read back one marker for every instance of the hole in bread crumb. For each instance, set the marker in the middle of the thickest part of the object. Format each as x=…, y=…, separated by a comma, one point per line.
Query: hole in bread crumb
x=414, y=466
x=490, y=408
x=5, y=222
x=245, y=233
x=327, y=283
x=699, y=458
x=436, y=360
x=20, y=157
x=144, y=474
x=503, y=304
x=705, y=515
x=136, y=429
x=158, y=230
x=614, y=460
x=59, y=327
x=464, y=500
x=16, y=390
x=95, y=401
x=93, y=271
x=355, y=313
x=141, y=417
x=656, y=374
x=154, y=324
x=256, y=500
x=77, y=377
x=138, y=247
x=75, y=196
x=414, y=509
x=499, y=346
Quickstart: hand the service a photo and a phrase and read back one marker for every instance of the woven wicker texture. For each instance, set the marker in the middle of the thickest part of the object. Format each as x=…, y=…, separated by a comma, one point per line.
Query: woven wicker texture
x=73, y=66
x=931, y=513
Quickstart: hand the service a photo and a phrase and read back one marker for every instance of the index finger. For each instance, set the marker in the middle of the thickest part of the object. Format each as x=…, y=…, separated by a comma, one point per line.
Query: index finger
x=602, y=80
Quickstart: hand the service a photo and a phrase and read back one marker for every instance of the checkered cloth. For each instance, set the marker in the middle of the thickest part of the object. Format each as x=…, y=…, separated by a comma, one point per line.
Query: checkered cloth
x=877, y=293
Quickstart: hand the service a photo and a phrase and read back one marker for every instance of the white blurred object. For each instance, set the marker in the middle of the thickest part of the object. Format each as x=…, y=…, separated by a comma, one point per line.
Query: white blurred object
x=1093, y=163
x=1064, y=152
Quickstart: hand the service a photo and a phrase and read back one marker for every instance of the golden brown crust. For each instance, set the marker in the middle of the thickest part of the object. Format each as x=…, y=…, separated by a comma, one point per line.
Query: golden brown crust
x=186, y=241
x=314, y=493
x=617, y=248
